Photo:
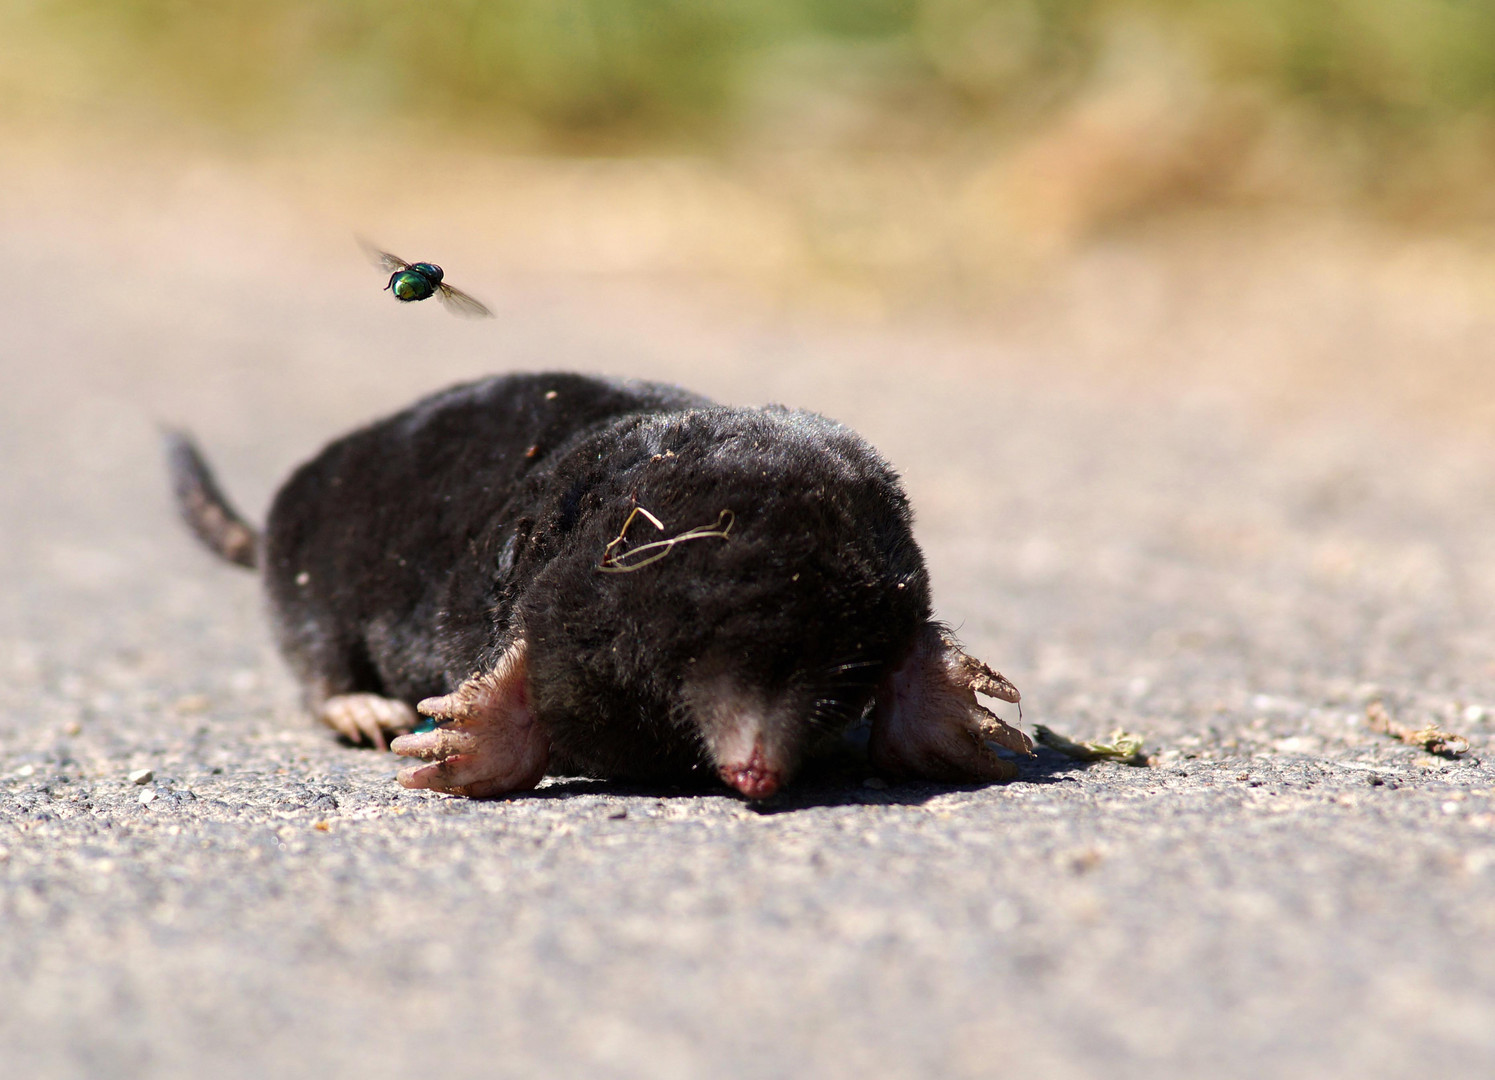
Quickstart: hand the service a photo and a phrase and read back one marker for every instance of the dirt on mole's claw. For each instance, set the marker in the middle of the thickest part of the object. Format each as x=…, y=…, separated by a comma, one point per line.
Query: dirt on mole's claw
x=435, y=744
x=977, y=675
x=994, y=729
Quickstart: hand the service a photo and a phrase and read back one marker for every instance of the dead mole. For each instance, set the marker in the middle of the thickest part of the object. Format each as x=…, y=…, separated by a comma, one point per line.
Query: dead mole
x=618, y=579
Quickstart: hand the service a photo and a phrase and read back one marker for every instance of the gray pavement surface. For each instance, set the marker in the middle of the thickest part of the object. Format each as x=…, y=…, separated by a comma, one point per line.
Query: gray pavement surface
x=1283, y=893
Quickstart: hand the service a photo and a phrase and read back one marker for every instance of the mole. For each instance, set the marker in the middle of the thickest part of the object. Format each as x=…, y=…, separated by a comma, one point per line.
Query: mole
x=581, y=576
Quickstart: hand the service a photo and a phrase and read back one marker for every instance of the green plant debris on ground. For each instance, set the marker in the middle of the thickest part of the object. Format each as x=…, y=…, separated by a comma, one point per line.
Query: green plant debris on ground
x=1125, y=746
x=1428, y=738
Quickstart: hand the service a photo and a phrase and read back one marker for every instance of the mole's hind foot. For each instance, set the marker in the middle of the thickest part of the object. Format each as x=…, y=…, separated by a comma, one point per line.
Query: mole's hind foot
x=927, y=723
x=487, y=741
x=366, y=718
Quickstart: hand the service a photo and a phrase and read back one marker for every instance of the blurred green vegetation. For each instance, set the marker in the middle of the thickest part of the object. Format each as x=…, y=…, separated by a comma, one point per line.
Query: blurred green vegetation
x=568, y=74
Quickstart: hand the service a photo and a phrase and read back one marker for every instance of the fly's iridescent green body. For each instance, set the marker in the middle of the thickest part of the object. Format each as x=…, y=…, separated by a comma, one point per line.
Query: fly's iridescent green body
x=417, y=283
x=420, y=281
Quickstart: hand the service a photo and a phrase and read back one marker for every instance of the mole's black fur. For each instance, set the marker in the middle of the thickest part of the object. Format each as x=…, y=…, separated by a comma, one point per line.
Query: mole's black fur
x=465, y=536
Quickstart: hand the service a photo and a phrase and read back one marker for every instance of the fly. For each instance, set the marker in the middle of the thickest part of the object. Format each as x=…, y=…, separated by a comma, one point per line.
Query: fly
x=420, y=281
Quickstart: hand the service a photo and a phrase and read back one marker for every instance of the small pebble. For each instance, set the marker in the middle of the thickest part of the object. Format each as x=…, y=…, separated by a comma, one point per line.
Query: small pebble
x=142, y=776
x=147, y=796
x=73, y=728
x=876, y=783
x=25, y=771
x=618, y=815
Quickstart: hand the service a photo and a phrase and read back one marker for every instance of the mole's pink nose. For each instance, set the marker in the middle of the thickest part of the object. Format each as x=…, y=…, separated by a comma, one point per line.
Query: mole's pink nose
x=754, y=779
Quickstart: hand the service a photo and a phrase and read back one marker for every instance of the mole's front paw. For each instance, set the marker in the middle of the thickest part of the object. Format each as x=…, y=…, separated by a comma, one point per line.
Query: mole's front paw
x=370, y=718
x=488, y=742
x=927, y=722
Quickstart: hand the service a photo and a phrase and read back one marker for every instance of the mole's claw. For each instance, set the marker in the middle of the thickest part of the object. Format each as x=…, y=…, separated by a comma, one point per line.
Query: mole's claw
x=490, y=744
x=926, y=721
x=460, y=774
x=435, y=744
x=989, y=726
x=366, y=718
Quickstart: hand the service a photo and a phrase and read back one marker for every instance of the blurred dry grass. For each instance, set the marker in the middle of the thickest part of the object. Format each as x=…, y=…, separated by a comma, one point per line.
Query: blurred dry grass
x=1071, y=113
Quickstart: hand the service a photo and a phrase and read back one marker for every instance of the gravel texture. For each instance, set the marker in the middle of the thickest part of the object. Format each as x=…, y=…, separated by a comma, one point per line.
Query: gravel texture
x=194, y=881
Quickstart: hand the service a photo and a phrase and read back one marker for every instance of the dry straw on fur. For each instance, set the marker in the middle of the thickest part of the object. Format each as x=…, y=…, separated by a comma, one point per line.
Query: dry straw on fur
x=626, y=562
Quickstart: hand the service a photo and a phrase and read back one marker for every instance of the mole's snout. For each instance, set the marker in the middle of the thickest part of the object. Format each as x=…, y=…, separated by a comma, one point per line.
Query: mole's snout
x=754, y=744
x=755, y=778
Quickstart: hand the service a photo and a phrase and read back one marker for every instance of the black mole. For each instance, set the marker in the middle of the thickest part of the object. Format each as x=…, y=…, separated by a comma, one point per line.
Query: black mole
x=616, y=579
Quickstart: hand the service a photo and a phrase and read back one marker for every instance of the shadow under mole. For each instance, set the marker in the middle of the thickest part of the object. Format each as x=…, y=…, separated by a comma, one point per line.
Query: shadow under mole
x=832, y=780
x=836, y=783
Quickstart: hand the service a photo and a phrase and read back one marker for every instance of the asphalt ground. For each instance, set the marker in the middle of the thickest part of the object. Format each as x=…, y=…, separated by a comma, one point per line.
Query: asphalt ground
x=1207, y=515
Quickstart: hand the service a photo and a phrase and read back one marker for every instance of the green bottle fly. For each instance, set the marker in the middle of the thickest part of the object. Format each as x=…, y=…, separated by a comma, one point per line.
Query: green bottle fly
x=420, y=281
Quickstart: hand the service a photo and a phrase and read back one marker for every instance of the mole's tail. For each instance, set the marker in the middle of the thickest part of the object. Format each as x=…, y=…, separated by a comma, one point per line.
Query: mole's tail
x=203, y=507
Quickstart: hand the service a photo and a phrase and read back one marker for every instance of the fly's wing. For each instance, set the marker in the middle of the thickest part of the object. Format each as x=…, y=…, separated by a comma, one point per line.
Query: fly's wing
x=383, y=259
x=459, y=303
